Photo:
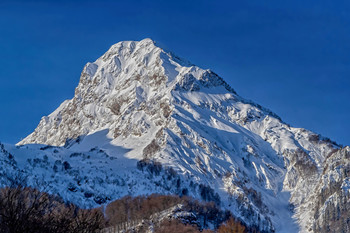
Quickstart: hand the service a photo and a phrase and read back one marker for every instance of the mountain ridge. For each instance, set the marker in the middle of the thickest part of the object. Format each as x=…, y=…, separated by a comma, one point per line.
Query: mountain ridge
x=188, y=83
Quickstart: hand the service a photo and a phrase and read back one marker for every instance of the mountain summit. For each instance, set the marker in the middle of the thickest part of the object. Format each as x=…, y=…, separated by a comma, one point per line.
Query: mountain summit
x=135, y=78
x=152, y=122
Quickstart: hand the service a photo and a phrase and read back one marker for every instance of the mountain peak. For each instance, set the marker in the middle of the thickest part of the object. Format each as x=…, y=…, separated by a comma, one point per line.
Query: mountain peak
x=131, y=45
x=128, y=75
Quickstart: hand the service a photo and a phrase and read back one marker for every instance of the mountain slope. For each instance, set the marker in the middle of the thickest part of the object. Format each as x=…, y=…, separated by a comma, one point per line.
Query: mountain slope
x=138, y=104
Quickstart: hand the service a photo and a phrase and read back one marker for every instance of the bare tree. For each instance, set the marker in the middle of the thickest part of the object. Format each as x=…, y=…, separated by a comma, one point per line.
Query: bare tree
x=27, y=210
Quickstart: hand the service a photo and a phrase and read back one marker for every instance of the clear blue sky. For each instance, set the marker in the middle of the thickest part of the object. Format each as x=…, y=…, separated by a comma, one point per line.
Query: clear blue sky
x=290, y=56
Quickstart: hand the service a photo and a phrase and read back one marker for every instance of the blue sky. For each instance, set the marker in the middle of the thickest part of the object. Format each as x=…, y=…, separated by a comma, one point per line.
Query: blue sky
x=289, y=56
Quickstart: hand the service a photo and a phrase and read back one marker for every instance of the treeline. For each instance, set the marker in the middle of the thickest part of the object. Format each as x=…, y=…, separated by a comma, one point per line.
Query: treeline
x=27, y=210
x=176, y=226
x=131, y=209
x=143, y=208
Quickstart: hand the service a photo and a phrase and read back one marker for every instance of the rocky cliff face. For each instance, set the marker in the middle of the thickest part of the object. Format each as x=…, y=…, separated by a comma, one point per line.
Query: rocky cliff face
x=156, y=114
x=330, y=200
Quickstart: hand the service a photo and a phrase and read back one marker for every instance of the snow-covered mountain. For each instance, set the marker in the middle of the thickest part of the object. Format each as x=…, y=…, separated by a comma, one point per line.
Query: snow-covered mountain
x=142, y=120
